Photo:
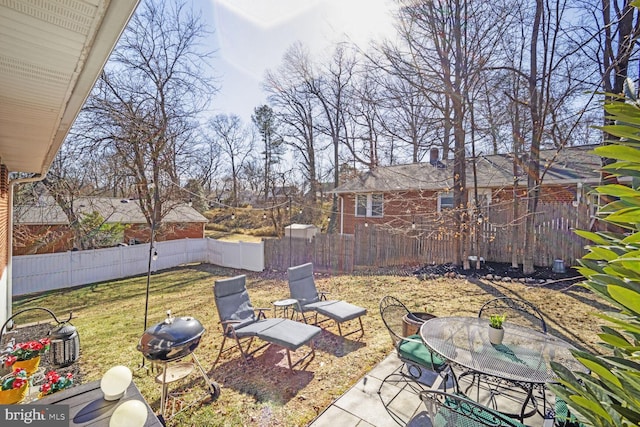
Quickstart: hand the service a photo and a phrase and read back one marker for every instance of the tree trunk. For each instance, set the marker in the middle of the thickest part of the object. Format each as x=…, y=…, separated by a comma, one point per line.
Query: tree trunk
x=533, y=164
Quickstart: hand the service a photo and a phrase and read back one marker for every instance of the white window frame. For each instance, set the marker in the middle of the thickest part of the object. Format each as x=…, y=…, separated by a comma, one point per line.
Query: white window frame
x=370, y=212
x=448, y=194
x=484, y=197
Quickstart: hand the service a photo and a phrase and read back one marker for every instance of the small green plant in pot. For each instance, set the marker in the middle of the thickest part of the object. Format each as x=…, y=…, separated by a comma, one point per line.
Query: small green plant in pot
x=496, y=321
x=496, y=333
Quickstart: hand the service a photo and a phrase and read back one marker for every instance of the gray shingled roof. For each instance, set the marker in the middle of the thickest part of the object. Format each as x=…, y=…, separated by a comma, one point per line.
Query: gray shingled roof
x=112, y=209
x=574, y=164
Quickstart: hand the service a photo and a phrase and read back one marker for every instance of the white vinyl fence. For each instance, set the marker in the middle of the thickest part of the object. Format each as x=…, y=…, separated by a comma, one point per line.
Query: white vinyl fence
x=37, y=273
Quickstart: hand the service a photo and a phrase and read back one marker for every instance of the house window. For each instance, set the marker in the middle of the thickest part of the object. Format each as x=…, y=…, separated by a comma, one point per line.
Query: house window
x=371, y=205
x=445, y=201
x=361, y=205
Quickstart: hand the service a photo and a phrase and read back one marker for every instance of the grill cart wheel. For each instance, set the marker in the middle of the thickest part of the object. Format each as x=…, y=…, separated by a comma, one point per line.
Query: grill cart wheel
x=215, y=394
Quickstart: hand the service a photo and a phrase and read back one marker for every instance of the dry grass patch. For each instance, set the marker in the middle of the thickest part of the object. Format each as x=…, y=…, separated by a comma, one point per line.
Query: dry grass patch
x=109, y=318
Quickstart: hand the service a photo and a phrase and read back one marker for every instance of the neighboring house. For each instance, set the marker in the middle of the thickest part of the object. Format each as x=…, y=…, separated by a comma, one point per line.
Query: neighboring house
x=51, y=53
x=283, y=193
x=399, y=196
x=324, y=191
x=44, y=228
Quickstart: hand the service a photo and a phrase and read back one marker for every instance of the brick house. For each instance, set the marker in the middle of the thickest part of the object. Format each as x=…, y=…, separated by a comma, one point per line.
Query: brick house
x=44, y=228
x=402, y=196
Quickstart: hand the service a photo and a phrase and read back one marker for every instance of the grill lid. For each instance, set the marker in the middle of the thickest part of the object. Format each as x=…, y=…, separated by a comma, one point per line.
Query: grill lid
x=171, y=339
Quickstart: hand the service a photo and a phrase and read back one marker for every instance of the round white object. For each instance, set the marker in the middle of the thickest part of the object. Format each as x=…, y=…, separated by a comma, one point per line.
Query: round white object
x=115, y=382
x=131, y=413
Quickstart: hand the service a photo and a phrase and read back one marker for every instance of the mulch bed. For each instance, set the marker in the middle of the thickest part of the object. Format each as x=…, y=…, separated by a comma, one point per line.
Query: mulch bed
x=504, y=272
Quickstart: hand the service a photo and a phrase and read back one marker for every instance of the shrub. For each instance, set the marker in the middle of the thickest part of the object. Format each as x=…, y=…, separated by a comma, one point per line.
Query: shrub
x=610, y=394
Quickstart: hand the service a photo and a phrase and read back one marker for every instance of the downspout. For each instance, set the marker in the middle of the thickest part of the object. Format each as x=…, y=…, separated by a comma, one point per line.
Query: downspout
x=37, y=177
x=341, y=214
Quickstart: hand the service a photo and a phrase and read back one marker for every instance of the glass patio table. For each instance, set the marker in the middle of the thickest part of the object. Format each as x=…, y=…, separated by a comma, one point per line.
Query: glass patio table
x=523, y=357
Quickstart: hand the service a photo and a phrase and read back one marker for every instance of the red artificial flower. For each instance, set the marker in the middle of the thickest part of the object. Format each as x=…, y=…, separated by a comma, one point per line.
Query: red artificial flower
x=16, y=379
x=52, y=376
x=25, y=351
x=19, y=382
x=54, y=382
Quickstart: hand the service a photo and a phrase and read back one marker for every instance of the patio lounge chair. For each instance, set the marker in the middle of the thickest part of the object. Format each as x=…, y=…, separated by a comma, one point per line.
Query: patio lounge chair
x=302, y=288
x=456, y=410
x=242, y=324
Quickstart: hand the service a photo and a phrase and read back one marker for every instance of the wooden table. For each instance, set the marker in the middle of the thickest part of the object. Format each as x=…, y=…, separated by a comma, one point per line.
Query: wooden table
x=87, y=406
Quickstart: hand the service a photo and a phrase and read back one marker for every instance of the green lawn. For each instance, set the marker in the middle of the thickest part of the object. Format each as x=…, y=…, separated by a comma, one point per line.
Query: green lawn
x=109, y=317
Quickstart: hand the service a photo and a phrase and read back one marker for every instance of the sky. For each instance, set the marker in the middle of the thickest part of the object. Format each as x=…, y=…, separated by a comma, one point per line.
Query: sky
x=251, y=36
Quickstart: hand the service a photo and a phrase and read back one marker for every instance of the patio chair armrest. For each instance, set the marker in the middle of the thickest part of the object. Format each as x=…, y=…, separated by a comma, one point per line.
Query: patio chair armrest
x=227, y=326
x=323, y=295
x=261, y=311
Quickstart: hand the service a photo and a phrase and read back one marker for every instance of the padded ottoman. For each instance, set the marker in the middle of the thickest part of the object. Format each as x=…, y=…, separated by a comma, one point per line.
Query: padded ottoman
x=289, y=334
x=340, y=311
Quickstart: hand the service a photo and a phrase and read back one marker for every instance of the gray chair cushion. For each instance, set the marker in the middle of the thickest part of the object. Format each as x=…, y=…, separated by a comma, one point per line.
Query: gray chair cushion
x=289, y=334
x=301, y=284
x=232, y=301
x=255, y=328
x=318, y=304
x=341, y=311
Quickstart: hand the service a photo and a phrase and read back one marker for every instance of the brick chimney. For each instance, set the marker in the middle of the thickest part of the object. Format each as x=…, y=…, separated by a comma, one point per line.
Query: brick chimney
x=434, y=155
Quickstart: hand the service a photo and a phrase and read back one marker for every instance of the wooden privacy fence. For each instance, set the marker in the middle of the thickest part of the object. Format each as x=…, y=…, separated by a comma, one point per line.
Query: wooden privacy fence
x=379, y=246
x=328, y=252
x=554, y=233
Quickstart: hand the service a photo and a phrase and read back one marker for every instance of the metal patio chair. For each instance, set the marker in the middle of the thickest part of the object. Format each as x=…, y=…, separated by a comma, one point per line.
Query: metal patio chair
x=520, y=312
x=417, y=360
x=517, y=310
x=415, y=356
x=456, y=410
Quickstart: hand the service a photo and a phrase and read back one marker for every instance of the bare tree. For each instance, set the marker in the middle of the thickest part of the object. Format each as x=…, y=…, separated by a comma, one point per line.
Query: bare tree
x=410, y=117
x=331, y=88
x=445, y=47
x=363, y=112
x=297, y=110
x=553, y=82
x=235, y=143
x=144, y=108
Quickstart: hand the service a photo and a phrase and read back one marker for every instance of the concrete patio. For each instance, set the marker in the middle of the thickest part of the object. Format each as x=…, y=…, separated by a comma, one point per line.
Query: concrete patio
x=362, y=406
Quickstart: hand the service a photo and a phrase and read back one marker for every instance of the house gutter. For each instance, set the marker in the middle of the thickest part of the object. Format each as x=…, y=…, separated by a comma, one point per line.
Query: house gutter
x=37, y=177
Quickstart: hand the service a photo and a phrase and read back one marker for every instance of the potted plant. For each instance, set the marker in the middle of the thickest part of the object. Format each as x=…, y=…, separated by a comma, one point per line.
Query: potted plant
x=26, y=355
x=13, y=387
x=54, y=382
x=496, y=332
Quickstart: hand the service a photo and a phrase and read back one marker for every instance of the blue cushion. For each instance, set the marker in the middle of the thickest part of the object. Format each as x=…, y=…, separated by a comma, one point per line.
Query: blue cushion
x=419, y=353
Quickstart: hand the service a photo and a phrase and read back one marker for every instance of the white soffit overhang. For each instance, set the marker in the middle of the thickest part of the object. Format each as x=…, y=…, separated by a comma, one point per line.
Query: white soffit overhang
x=51, y=53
